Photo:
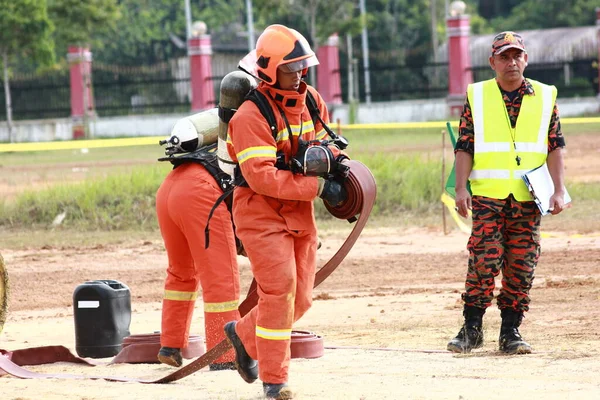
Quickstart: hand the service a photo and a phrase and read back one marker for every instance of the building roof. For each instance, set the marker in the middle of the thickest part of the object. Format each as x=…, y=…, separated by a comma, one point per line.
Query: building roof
x=543, y=45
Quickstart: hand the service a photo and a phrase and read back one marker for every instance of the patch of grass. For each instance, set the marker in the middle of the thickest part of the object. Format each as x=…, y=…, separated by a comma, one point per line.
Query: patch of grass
x=127, y=200
x=119, y=187
x=120, y=201
x=408, y=193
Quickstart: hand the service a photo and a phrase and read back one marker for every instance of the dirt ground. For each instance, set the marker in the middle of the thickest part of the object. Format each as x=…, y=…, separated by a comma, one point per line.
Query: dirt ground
x=385, y=315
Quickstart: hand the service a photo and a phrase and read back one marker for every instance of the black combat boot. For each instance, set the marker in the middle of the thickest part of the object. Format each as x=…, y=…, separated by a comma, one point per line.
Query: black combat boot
x=170, y=356
x=245, y=365
x=471, y=334
x=277, y=391
x=510, y=341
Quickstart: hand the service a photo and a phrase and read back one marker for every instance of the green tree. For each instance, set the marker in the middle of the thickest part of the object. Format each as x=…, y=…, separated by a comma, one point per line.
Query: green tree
x=493, y=8
x=220, y=13
x=316, y=19
x=25, y=31
x=537, y=14
x=142, y=35
x=82, y=23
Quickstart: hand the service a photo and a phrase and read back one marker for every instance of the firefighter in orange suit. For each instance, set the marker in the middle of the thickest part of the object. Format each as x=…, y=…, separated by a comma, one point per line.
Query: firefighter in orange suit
x=183, y=203
x=273, y=207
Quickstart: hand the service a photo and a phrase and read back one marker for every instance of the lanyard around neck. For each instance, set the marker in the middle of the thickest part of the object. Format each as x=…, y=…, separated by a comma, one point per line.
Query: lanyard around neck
x=513, y=131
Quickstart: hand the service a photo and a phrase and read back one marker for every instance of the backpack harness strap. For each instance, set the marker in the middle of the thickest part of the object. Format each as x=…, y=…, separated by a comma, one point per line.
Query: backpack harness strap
x=207, y=157
x=262, y=103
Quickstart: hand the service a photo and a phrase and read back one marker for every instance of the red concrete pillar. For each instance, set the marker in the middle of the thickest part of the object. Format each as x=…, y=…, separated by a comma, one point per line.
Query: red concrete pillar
x=459, y=62
x=598, y=33
x=328, y=71
x=82, y=102
x=200, y=52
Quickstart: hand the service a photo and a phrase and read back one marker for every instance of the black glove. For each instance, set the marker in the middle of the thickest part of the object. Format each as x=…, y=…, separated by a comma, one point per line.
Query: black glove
x=333, y=193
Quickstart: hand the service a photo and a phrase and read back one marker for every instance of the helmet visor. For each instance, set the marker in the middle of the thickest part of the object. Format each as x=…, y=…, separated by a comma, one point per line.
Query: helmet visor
x=248, y=63
x=296, y=66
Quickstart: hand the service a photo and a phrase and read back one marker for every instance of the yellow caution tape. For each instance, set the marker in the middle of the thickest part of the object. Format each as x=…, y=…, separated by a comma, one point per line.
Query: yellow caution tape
x=397, y=125
x=442, y=124
x=450, y=204
x=145, y=140
x=464, y=227
x=80, y=144
x=587, y=120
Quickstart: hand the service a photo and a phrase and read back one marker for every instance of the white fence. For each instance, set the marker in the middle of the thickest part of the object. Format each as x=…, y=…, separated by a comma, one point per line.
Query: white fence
x=157, y=125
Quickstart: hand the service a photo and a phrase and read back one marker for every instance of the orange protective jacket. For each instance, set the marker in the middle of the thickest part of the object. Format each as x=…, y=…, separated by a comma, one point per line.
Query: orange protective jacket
x=274, y=219
x=183, y=203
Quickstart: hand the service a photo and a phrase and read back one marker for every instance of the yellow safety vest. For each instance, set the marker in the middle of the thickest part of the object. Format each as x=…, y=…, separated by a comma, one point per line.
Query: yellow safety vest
x=495, y=171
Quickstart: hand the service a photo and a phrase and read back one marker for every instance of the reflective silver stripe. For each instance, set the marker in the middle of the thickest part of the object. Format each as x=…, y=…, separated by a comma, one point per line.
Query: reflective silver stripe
x=496, y=174
x=547, y=108
x=178, y=295
x=490, y=174
x=321, y=134
x=481, y=146
x=493, y=147
x=283, y=134
x=477, y=112
x=273, y=334
x=259, y=151
x=518, y=173
x=221, y=307
x=308, y=126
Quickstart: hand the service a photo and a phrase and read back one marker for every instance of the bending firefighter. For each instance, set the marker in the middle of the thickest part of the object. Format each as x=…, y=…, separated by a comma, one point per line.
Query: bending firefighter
x=183, y=203
x=276, y=182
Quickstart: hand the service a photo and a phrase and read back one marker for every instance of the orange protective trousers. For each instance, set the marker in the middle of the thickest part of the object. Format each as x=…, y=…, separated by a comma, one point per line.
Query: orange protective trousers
x=183, y=203
x=285, y=276
x=274, y=219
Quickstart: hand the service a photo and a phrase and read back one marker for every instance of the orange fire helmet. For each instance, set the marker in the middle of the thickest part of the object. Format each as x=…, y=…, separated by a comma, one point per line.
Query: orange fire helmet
x=279, y=47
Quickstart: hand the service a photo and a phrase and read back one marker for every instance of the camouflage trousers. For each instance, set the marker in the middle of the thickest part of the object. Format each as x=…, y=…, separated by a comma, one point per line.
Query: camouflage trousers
x=505, y=238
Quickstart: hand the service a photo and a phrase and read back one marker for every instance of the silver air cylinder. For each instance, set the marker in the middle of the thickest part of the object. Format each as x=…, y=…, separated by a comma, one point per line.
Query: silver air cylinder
x=207, y=125
x=234, y=88
x=192, y=132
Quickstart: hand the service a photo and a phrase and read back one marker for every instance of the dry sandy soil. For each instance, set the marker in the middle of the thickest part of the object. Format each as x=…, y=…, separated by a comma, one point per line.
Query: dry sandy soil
x=385, y=315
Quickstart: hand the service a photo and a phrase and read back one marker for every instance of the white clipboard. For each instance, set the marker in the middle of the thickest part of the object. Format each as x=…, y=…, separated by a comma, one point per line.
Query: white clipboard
x=540, y=185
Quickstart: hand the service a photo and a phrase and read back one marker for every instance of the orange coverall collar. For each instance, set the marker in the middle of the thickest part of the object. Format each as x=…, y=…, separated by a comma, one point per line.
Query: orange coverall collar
x=291, y=101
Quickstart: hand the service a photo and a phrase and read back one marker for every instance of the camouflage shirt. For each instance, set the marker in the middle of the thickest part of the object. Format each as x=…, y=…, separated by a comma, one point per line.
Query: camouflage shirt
x=513, y=100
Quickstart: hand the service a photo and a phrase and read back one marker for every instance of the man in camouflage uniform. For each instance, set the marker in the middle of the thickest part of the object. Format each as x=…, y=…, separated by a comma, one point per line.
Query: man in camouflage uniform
x=509, y=125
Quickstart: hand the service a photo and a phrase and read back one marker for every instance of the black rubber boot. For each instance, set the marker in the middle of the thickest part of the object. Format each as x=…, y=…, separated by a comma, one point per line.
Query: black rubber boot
x=470, y=335
x=170, y=356
x=277, y=391
x=246, y=366
x=510, y=341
